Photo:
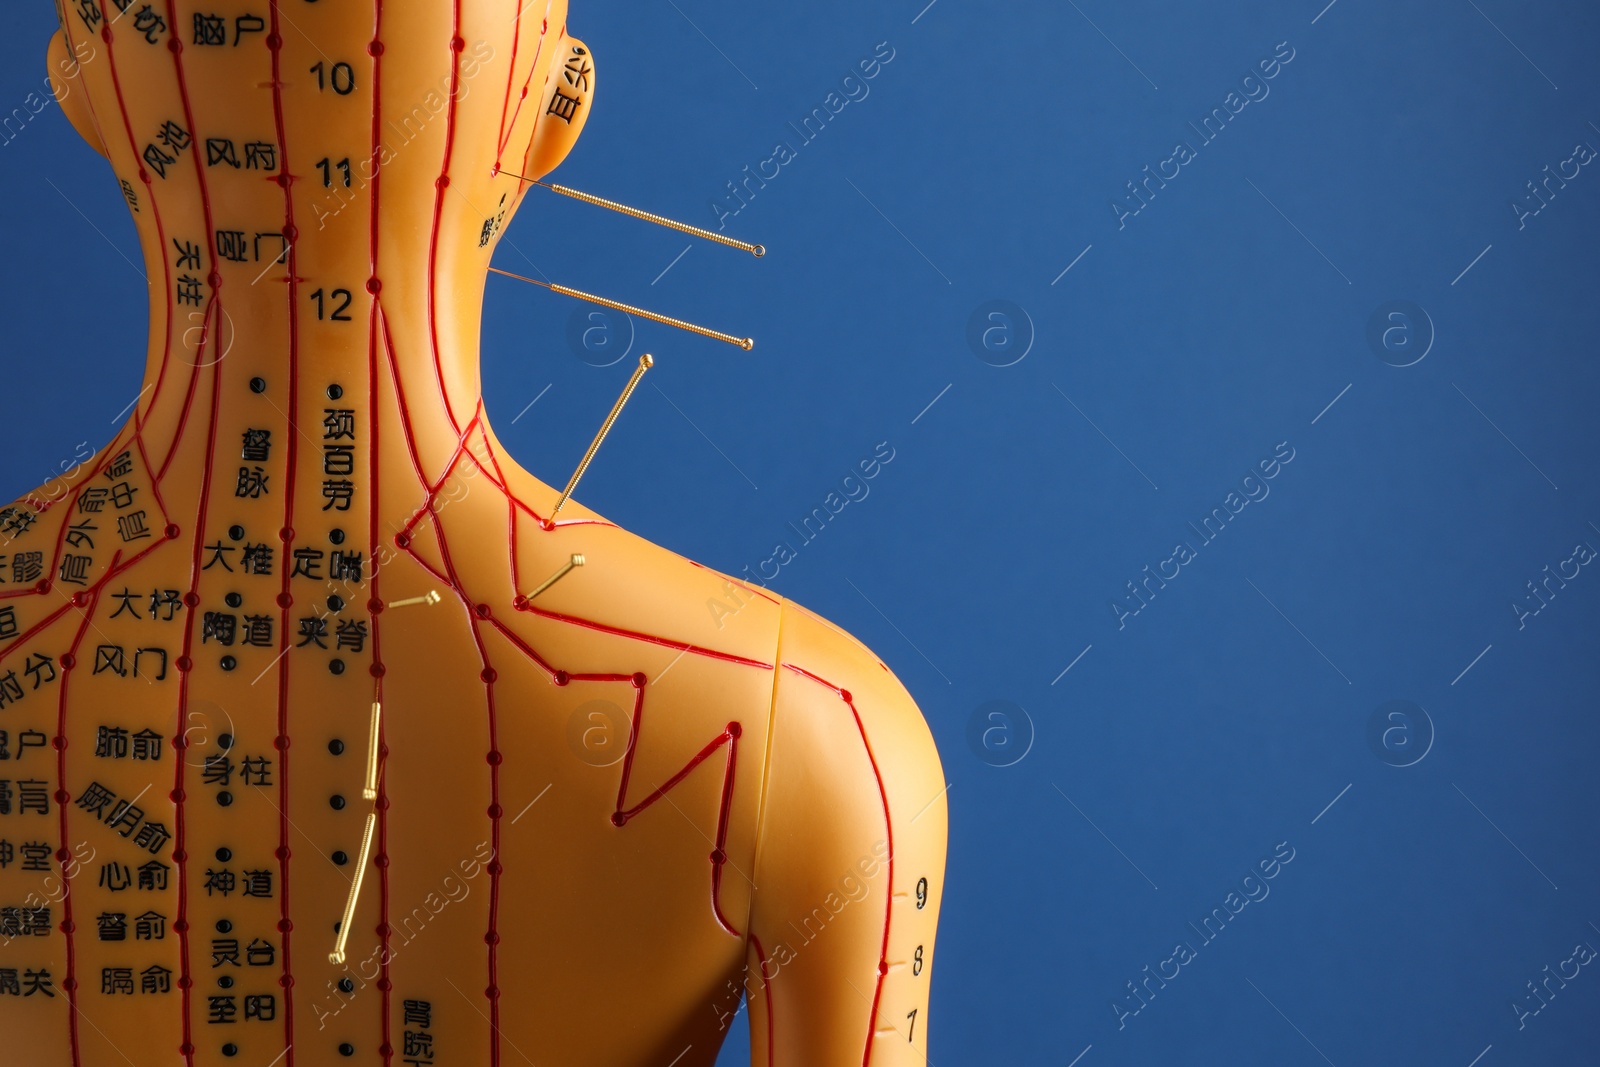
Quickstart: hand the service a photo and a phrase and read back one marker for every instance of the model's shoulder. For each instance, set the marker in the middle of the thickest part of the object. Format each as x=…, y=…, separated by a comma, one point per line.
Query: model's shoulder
x=818, y=661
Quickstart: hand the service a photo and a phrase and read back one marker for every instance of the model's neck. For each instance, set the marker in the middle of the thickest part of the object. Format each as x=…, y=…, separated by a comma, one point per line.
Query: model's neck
x=269, y=393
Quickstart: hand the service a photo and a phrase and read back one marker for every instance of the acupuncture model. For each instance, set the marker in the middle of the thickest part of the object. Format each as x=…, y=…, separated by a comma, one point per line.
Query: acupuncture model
x=328, y=733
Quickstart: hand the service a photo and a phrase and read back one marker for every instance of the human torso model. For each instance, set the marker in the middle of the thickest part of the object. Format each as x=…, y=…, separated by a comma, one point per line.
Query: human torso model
x=602, y=816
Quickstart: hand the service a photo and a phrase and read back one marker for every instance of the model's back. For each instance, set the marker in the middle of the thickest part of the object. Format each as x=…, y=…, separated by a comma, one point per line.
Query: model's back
x=601, y=815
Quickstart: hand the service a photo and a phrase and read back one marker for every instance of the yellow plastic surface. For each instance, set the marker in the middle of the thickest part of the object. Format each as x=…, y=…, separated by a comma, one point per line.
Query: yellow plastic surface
x=603, y=816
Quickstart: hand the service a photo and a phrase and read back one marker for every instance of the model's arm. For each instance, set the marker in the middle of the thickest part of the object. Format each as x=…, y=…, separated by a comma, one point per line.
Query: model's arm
x=850, y=866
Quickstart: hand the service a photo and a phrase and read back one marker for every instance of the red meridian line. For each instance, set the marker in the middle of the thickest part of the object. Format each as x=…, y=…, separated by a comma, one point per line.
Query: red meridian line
x=624, y=814
x=205, y=209
x=734, y=581
x=511, y=76
x=499, y=481
x=155, y=211
x=438, y=213
x=155, y=486
x=179, y=829
x=491, y=937
x=374, y=321
x=766, y=993
x=523, y=647
x=194, y=382
x=400, y=400
x=888, y=911
x=544, y=31
x=285, y=173
x=537, y=518
x=71, y=983
x=618, y=631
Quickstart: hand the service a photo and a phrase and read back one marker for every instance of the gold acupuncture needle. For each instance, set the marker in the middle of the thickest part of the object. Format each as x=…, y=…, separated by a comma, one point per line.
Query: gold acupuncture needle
x=336, y=957
x=430, y=597
x=599, y=201
x=743, y=342
x=645, y=363
x=370, y=789
x=566, y=569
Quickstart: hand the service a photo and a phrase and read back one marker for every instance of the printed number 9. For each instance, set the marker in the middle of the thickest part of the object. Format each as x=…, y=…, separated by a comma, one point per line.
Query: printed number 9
x=922, y=894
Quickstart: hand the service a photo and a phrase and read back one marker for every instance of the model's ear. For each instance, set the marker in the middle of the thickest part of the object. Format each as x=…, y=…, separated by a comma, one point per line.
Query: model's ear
x=568, y=94
x=66, y=82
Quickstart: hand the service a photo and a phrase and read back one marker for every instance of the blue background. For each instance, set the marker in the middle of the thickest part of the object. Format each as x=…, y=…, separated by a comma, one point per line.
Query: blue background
x=1178, y=351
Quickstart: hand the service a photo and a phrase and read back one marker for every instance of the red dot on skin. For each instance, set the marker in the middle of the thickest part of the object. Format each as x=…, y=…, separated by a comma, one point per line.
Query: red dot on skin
x=180, y=926
x=69, y=984
x=286, y=981
x=618, y=819
x=495, y=759
x=374, y=286
x=483, y=611
x=401, y=540
x=180, y=742
x=285, y=600
x=844, y=695
x=41, y=586
x=68, y=926
x=488, y=674
x=883, y=968
x=718, y=856
x=60, y=743
x=457, y=44
x=281, y=742
x=495, y=811
x=80, y=599
x=105, y=33
x=68, y=660
x=174, y=44
x=283, y=180
x=493, y=993
x=382, y=860
x=144, y=176
x=185, y=982
x=382, y=804
x=382, y=929
x=184, y=663
x=375, y=606
x=179, y=856
x=191, y=599
x=384, y=985
x=519, y=602
x=377, y=670
x=285, y=925
x=491, y=938
x=291, y=233
x=524, y=92
x=639, y=680
x=385, y=1049
x=62, y=796
x=562, y=678
x=63, y=855
x=274, y=42
x=173, y=531
x=177, y=796
x=735, y=729
x=281, y=852
x=286, y=534
x=375, y=48
x=443, y=181
x=215, y=279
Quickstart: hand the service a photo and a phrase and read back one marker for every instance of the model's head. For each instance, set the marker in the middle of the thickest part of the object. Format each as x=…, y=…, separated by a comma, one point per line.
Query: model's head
x=359, y=109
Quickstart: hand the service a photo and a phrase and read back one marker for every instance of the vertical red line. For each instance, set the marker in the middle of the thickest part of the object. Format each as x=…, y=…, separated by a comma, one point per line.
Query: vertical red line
x=63, y=803
x=375, y=321
x=291, y=236
x=180, y=742
x=441, y=185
